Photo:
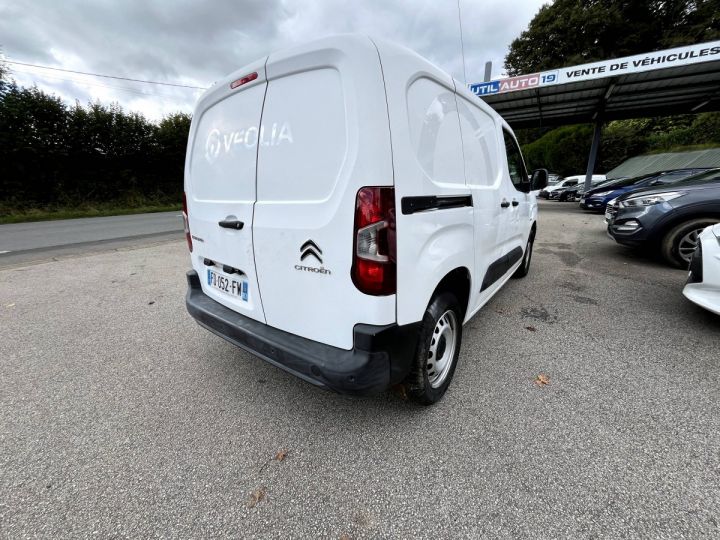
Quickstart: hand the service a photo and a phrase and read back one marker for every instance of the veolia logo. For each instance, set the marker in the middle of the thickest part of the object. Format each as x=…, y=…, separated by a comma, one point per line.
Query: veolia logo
x=213, y=144
x=220, y=143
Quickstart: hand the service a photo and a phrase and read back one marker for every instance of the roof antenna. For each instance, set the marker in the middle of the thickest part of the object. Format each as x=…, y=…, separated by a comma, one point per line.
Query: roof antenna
x=462, y=46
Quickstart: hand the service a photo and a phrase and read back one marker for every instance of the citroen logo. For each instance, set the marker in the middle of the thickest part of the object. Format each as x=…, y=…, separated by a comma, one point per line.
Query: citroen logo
x=310, y=248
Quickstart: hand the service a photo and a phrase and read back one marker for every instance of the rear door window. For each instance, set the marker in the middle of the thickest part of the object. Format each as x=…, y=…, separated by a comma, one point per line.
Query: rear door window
x=303, y=140
x=222, y=167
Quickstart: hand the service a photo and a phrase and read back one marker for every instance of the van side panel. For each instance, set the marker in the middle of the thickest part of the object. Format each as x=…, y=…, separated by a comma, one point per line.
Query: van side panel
x=326, y=135
x=428, y=161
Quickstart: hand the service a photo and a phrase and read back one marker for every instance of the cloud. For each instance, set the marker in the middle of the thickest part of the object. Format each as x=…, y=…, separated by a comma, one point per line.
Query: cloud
x=196, y=42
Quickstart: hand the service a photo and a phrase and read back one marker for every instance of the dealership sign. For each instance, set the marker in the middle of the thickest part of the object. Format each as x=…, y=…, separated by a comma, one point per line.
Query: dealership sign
x=680, y=56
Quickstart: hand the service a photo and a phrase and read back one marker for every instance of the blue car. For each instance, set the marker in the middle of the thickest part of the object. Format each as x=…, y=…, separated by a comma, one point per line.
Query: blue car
x=597, y=198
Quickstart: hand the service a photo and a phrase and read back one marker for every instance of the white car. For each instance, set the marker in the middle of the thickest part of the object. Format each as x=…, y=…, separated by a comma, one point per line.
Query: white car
x=551, y=192
x=348, y=207
x=703, y=284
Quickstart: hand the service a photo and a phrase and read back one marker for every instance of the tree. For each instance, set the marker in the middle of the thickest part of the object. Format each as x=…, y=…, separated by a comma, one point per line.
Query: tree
x=3, y=73
x=52, y=154
x=571, y=32
x=563, y=150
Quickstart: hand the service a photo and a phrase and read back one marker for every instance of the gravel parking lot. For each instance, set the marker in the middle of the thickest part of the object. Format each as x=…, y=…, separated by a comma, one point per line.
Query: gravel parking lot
x=119, y=416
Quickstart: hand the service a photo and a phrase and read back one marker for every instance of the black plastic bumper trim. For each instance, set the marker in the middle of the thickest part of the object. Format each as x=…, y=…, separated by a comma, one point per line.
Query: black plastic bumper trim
x=695, y=275
x=381, y=355
x=500, y=267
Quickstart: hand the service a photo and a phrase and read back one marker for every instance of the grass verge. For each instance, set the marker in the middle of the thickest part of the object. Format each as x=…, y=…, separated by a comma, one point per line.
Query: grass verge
x=44, y=214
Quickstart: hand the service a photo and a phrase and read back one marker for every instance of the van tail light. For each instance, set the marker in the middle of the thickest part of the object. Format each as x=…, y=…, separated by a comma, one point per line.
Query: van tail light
x=374, y=269
x=186, y=223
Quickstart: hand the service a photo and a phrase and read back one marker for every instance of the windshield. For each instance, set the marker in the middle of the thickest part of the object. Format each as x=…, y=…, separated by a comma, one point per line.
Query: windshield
x=674, y=176
x=656, y=178
x=702, y=178
x=622, y=182
x=608, y=184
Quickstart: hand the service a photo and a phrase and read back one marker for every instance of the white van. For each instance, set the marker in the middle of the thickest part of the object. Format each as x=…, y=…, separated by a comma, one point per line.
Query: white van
x=348, y=206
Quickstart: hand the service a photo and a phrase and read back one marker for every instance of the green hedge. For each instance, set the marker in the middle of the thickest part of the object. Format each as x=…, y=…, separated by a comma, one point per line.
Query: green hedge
x=564, y=150
x=54, y=154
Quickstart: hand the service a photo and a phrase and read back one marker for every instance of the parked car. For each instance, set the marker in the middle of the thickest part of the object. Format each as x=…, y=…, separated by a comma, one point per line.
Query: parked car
x=549, y=192
x=571, y=192
x=703, y=283
x=597, y=198
x=552, y=180
x=668, y=219
x=350, y=252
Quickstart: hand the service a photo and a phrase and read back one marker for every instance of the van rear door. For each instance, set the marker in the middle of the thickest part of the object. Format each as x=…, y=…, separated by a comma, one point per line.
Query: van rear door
x=325, y=135
x=220, y=189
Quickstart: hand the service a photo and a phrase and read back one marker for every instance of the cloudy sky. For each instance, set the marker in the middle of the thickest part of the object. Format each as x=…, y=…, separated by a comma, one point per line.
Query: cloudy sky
x=195, y=42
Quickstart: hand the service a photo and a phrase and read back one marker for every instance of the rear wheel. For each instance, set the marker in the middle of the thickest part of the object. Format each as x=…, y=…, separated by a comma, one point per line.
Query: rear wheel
x=437, y=352
x=678, y=245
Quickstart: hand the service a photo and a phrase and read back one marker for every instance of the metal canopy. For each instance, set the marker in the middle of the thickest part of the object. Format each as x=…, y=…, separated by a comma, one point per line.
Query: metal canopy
x=677, y=87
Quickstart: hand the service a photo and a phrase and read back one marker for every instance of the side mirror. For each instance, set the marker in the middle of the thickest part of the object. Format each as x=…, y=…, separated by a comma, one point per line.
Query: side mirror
x=539, y=179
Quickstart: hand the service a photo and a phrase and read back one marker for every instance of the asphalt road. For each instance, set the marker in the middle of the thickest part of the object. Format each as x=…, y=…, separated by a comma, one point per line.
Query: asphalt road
x=119, y=416
x=43, y=240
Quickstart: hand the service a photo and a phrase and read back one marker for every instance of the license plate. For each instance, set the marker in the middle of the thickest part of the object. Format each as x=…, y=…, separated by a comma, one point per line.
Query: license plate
x=608, y=216
x=582, y=200
x=234, y=287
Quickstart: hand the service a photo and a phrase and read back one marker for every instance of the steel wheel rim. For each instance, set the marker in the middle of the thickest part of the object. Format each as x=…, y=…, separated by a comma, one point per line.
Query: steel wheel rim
x=442, y=349
x=688, y=243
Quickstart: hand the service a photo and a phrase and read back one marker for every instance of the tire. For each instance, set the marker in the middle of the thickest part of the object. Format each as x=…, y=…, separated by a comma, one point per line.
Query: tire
x=563, y=197
x=524, y=268
x=438, y=348
x=677, y=246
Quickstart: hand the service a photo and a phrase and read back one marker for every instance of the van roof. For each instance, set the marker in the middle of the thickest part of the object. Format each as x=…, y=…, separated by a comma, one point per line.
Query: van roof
x=343, y=44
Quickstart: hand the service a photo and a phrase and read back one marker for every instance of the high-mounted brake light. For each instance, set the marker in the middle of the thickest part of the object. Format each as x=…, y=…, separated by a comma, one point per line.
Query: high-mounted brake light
x=374, y=269
x=186, y=223
x=243, y=80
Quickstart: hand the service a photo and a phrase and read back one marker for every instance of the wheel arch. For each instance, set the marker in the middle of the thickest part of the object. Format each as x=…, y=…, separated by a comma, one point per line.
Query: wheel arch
x=657, y=236
x=458, y=282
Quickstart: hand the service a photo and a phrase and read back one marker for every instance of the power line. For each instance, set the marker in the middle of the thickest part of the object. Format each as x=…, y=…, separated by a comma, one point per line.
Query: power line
x=87, y=83
x=105, y=76
x=84, y=81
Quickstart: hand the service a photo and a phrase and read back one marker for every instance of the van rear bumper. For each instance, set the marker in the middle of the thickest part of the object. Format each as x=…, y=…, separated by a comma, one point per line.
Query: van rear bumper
x=381, y=355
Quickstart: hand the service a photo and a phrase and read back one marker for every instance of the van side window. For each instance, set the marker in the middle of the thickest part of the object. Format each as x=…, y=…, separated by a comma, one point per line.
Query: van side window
x=480, y=144
x=516, y=166
x=435, y=131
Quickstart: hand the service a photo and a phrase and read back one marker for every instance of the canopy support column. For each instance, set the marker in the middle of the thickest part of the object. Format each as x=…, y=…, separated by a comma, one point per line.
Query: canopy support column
x=594, y=147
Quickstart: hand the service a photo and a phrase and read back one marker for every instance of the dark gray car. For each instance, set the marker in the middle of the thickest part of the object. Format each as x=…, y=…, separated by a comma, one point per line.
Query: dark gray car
x=667, y=220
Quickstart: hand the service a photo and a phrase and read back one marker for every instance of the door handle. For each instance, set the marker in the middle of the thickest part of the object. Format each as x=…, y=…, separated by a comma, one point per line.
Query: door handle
x=515, y=203
x=504, y=204
x=231, y=222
